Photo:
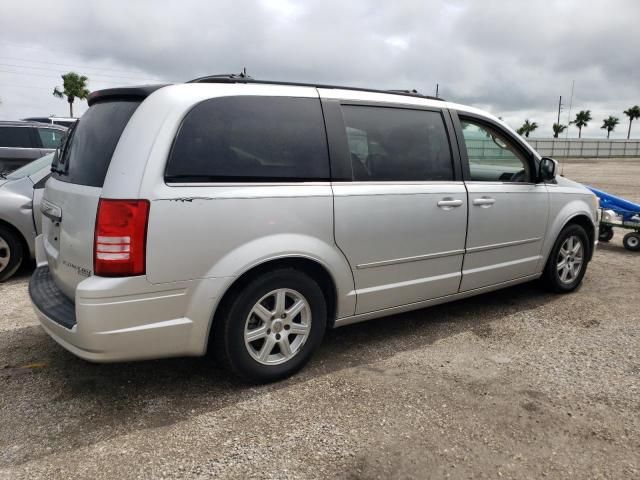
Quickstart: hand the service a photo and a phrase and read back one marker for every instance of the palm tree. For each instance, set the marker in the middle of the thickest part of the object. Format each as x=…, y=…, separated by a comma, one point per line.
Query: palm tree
x=558, y=128
x=526, y=128
x=73, y=86
x=609, y=124
x=583, y=117
x=633, y=113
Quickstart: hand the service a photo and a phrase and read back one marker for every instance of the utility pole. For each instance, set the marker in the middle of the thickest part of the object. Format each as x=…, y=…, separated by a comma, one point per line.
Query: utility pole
x=559, y=108
x=437, y=89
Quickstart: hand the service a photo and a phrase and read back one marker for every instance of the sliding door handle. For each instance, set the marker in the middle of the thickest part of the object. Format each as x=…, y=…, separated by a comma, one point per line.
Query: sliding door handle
x=484, y=201
x=449, y=203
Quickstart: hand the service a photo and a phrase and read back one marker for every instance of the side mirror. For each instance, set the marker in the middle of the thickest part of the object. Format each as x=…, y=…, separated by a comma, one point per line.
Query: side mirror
x=547, y=170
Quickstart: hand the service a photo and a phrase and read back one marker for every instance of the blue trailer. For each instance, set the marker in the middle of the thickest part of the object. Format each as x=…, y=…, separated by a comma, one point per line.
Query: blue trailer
x=621, y=213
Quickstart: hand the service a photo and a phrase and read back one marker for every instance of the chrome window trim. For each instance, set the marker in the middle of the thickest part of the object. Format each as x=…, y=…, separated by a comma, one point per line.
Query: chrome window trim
x=316, y=184
x=248, y=184
x=391, y=183
x=481, y=182
x=29, y=148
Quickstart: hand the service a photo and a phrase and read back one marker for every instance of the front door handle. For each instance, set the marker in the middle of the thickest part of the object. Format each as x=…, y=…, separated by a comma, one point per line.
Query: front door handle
x=484, y=201
x=449, y=203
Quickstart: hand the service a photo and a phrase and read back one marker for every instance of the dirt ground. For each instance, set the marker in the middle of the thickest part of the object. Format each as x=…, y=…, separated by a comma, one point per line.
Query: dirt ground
x=513, y=384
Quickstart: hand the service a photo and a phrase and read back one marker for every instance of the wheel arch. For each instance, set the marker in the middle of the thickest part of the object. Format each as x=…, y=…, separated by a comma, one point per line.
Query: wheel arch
x=308, y=265
x=577, y=211
x=585, y=222
x=581, y=218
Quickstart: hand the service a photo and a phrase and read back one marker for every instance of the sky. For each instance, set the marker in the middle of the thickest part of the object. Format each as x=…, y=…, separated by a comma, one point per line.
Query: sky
x=512, y=58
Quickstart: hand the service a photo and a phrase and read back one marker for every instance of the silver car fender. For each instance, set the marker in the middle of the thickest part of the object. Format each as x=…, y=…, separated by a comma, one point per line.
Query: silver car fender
x=285, y=246
x=558, y=220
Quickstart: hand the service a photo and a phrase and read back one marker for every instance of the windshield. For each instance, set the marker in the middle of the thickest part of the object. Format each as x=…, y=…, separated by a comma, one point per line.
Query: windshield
x=31, y=168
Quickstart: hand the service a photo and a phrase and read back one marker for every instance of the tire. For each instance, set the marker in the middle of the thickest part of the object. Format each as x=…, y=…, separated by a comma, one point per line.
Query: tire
x=241, y=319
x=605, y=233
x=565, y=277
x=631, y=241
x=11, y=253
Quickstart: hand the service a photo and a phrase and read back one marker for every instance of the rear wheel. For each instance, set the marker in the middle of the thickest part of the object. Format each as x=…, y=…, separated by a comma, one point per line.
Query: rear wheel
x=270, y=328
x=605, y=233
x=10, y=253
x=631, y=241
x=567, y=262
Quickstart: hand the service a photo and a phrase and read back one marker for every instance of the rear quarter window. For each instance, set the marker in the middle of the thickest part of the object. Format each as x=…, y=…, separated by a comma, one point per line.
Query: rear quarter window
x=251, y=139
x=87, y=152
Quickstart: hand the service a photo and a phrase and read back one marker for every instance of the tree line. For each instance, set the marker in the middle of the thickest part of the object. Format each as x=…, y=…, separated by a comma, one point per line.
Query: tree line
x=582, y=119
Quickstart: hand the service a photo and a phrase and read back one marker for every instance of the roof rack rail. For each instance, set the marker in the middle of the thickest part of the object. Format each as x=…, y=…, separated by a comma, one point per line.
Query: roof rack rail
x=223, y=77
x=413, y=91
x=244, y=78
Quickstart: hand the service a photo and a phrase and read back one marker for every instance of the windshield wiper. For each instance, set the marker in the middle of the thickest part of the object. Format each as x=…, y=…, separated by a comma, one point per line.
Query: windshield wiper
x=3, y=175
x=55, y=169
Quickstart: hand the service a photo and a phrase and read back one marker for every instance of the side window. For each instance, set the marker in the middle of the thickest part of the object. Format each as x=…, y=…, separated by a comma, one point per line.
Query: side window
x=492, y=156
x=254, y=139
x=395, y=144
x=50, y=138
x=17, y=137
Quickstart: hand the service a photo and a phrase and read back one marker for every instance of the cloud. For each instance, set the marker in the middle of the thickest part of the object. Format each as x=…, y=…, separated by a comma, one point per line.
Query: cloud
x=511, y=57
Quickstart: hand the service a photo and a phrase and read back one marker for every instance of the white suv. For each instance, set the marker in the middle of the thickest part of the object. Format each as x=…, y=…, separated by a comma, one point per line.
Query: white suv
x=246, y=217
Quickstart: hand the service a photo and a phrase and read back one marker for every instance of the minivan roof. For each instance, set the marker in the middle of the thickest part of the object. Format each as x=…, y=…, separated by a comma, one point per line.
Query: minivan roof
x=143, y=91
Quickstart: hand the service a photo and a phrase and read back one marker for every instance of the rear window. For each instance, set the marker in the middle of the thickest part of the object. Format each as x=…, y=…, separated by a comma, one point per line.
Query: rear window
x=16, y=137
x=251, y=139
x=86, y=154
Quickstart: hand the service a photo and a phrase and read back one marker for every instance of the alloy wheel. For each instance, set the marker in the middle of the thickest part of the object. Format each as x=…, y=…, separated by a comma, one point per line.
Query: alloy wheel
x=570, y=259
x=277, y=326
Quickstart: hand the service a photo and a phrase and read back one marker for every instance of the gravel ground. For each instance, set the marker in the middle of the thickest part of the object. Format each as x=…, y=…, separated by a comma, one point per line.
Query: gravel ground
x=514, y=384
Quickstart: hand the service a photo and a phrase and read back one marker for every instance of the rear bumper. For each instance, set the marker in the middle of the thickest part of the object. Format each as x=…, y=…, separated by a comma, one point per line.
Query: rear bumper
x=47, y=297
x=123, y=319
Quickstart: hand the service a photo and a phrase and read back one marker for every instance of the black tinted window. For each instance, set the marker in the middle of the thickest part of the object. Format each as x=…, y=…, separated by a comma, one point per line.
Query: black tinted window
x=393, y=144
x=15, y=137
x=251, y=139
x=87, y=153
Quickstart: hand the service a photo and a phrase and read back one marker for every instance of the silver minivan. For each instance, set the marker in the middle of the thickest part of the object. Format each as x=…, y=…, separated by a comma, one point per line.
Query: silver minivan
x=245, y=217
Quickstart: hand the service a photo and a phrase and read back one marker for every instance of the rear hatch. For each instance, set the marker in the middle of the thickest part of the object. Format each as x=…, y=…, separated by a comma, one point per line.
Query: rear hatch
x=71, y=196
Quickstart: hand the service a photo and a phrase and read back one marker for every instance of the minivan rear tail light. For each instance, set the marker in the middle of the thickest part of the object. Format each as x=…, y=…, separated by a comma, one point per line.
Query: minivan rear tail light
x=119, y=248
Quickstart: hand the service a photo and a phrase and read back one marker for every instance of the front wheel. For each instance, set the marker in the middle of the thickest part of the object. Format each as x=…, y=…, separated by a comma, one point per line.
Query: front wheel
x=631, y=241
x=567, y=261
x=10, y=253
x=270, y=328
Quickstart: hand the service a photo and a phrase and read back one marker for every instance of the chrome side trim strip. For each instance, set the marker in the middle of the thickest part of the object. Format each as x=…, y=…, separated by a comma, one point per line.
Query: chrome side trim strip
x=408, y=283
x=497, y=266
x=482, y=248
x=417, y=258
